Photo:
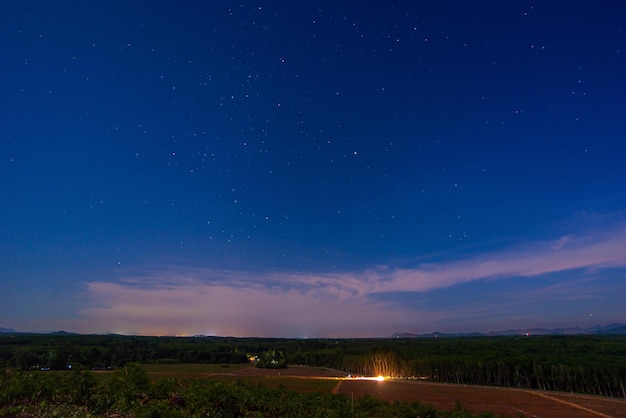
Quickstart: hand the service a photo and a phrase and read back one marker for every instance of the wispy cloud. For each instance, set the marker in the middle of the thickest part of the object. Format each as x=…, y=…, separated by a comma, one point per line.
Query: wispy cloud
x=193, y=306
x=185, y=300
x=535, y=259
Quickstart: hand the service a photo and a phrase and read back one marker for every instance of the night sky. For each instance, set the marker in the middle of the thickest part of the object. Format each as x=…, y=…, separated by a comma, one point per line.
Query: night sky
x=309, y=169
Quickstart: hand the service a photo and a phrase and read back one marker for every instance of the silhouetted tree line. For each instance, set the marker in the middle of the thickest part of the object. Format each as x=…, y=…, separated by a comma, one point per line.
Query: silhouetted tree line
x=584, y=364
x=96, y=352
x=595, y=365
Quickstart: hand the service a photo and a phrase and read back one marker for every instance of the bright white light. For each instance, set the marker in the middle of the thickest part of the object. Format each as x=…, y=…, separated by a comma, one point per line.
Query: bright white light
x=377, y=378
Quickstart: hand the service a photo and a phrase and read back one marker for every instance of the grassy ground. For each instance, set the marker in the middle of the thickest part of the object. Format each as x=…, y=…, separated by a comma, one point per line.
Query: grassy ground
x=183, y=371
x=232, y=372
x=296, y=384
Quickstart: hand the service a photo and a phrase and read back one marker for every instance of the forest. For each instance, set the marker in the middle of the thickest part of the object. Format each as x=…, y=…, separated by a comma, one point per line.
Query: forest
x=63, y=370
x=583, y=364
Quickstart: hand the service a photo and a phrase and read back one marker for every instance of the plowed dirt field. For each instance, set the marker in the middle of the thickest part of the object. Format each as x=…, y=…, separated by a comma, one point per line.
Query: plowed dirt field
x=501, y=401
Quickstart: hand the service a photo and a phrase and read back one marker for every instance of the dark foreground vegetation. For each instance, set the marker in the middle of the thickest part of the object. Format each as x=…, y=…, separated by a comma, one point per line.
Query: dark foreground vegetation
x=127, y=392
x=44, y=372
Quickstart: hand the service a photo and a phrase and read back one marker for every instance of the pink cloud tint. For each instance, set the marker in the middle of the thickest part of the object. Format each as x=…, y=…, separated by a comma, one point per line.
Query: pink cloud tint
x=182, y=300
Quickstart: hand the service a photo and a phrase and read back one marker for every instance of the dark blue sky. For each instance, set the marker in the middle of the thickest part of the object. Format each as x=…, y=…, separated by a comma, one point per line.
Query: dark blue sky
x=312, y=169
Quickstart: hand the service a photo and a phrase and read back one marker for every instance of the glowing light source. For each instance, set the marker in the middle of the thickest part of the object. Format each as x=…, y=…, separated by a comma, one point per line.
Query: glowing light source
x=377, y=378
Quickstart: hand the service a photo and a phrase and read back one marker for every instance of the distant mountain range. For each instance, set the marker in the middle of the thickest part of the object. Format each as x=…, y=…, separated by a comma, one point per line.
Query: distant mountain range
x=12, y=331
x=611, y=329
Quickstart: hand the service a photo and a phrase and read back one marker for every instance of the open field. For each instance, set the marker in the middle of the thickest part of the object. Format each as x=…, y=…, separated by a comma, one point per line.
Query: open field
x=299, y=379
x=236, y=370
x=501, y=401
x=183, y=371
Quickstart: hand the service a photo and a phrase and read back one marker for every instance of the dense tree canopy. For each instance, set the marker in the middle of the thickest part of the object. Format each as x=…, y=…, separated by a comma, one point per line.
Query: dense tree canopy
x=587, y=364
